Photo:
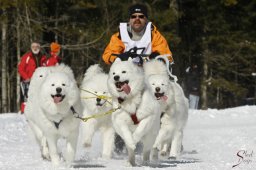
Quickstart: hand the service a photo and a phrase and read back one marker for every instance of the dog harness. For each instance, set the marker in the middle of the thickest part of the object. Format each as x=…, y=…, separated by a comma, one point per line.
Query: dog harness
x=133, y=115
x=143, y=46
x=135, y=119
x=57, y=124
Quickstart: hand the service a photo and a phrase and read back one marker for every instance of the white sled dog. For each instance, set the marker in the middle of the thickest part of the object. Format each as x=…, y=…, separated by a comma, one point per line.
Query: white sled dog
x=174, y=108
x=138, y=119
x=94, y=86
x=49, y=111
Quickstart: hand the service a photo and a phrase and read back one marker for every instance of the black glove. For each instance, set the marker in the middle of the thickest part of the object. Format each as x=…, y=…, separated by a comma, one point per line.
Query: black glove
x=124, y=56
x=138, y=60
x=153, y=55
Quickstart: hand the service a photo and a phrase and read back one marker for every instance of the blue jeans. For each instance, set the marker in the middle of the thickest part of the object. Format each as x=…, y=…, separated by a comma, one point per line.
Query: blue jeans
x=193, y=101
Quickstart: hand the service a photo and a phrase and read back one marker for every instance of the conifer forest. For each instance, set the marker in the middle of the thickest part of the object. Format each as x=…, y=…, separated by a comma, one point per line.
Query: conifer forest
x=219, y=36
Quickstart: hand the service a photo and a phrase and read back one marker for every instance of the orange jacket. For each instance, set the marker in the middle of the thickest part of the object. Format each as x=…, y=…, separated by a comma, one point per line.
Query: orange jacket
x=116, y=46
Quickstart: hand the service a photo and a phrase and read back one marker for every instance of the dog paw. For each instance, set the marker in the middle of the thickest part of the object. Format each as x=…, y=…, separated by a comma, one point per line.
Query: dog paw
x=157, y=147
x=174, y=154
x=146, y=163
x=87, y=145
x=154, y=153
x=130, y=164
x=163, y=153
x=172, y=158
x=46, y=156
x=55, y=160
x=45, y=153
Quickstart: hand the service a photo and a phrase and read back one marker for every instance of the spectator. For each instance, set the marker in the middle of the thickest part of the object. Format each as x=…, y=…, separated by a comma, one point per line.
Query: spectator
x=193, y=85
x=29, y=62
x=54, y=58
x=138, y=36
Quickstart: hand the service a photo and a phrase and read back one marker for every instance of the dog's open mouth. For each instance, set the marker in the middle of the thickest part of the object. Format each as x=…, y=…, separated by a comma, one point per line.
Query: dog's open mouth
x=119, y=84
x=161, y=96
x=123, y=86
x=99, y=104
x=57, y=98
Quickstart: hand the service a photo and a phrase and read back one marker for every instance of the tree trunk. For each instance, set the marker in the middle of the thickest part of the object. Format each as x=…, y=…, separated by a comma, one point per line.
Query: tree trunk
x=107, y=17
x=56, y=22
x=18, y=58
x=4, y=64
x=205, y=81
x=28, y=22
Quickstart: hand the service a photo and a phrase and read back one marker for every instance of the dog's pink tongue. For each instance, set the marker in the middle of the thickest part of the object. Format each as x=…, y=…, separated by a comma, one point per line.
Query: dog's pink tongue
x=126, y=88
x=57, y=99
x=164, y=98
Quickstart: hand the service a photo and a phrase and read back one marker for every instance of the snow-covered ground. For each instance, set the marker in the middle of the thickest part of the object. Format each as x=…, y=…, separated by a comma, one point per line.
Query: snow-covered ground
x=213, y=140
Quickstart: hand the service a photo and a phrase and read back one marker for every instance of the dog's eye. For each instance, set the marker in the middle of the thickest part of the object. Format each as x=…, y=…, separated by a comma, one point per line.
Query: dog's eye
x=95, y=92
x=41, y=76
x=63, y=84
x=104, y=92
x=153, y=84
x=123, y=71
x=53, y=84
x=162, y=84
x=114, y=73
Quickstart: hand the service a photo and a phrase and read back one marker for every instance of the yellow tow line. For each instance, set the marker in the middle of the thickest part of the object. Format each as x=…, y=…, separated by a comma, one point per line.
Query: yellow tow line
x=85, y=119
x=97, y=96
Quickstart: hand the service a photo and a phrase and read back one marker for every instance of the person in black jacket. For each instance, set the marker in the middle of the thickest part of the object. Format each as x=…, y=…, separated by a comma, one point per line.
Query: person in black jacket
x=193, y=85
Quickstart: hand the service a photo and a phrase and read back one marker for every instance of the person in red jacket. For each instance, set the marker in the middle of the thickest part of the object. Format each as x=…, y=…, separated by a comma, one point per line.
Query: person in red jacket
x=27, y=66
x=55, y=51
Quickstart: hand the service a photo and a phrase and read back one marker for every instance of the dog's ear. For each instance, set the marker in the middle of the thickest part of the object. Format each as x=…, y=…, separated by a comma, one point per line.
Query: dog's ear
x=74, y=93
x=117, y=60
x=130, y=59
x=92, y=71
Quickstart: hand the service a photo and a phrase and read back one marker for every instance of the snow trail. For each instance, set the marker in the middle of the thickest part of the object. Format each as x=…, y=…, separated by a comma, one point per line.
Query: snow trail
x=213, y=139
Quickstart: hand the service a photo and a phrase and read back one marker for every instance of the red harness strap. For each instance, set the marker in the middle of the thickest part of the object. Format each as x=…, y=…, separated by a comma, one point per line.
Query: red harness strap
x=133, y=116
x=135, y=119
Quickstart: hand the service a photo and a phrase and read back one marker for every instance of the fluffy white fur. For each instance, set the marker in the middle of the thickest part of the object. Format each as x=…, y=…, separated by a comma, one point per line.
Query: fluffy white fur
x=49, y=113
x=126, y=82
x=64, y=69
x=36, y=80
x=95, y=83
x=32, y=108
x=174, y=107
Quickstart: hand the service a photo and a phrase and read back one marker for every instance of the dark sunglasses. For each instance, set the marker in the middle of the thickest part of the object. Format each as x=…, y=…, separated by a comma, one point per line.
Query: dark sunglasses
x=137, y=16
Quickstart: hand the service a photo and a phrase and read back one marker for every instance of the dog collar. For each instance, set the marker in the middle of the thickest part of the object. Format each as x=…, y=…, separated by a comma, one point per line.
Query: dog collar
x=57, y=124
x=120, y=100
x=133, y=115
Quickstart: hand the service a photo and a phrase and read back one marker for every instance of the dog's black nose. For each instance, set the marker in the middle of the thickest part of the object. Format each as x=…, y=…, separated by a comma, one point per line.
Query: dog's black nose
x=116, y=78
x=157, y=89
x=58, y=90
x=98, y=99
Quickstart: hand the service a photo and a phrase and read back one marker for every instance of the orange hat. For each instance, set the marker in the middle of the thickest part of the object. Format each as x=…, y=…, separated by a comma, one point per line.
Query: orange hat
x=55, y=47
